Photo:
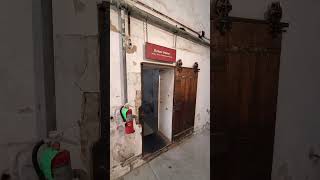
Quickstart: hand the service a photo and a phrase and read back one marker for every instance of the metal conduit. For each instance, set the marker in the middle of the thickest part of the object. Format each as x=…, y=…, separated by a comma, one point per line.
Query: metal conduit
x=143, y=15
x=171, y=19
x=123, y=63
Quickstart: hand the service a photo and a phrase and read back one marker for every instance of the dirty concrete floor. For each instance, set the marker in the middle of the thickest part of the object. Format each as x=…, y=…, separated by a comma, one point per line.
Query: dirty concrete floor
x=187, y=161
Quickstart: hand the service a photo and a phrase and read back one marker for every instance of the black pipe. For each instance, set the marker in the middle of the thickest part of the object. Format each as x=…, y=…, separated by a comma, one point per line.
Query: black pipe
x=100, y=149
x=129, y=25
x=104, y=38
x=48, y=63
x=35, y=160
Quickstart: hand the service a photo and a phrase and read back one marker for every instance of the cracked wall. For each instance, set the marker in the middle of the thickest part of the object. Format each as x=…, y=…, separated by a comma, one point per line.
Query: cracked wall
x=89, y=126
x=76, y=51
x=77, y=77
x=76, y=64
x=188, y=51
x=75, y=30
x=77, y=73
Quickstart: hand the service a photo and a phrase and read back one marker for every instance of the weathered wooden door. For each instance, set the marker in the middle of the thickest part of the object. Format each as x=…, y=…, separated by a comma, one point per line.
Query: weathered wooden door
x=245, y=65
x=184, y=102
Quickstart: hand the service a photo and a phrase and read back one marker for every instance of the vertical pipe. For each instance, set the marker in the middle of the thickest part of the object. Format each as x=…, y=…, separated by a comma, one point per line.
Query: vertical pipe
x=104, y=30
x=123, y=62
x=42, y=27
x=39, y=88
x=48, y=59
x=100, y=151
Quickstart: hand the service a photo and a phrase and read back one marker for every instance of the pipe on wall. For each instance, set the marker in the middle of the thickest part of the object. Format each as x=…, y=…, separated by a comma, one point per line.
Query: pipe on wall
x=156, y=21
x=44, y=72
x=123, y=63
x=171, y=19
x=49, y=71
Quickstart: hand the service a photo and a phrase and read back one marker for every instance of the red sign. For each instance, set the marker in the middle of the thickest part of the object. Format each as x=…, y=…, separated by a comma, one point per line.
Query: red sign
x=160, y=53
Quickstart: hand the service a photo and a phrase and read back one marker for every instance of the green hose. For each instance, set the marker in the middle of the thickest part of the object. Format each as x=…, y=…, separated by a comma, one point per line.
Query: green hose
x=45, y=160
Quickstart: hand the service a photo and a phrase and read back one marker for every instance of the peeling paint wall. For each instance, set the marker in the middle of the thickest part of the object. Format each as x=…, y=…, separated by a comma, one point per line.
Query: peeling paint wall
x=76, y=51
x=89, y=126
x=189, y=52
x=76, y=65
x=76, y=72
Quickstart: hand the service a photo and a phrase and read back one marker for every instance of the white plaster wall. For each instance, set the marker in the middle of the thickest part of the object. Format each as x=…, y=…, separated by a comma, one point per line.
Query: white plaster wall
x=192, y=13
x=297, y=126
x=188, y=51
x=17, y=92
x=75, y=31
x=166, y=102
x=76, y=50
x=115, y=52
x=75, y=17
x=297, y=129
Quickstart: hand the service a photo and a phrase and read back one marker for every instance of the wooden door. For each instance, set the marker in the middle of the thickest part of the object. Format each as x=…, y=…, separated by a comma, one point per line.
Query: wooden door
x=245, y=65
x=184, y=102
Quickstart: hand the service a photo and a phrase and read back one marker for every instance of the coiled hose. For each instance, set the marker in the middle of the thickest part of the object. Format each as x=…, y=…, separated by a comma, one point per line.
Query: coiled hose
x=35, y=160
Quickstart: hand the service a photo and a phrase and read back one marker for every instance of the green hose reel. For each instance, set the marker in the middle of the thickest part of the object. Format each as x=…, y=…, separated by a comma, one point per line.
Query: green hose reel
x=45, y=158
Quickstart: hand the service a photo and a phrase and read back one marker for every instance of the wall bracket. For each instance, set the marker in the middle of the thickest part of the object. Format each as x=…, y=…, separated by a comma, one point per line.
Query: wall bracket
x=179, y=65
x=222, y=10
x=273, y=15
x=195, y=67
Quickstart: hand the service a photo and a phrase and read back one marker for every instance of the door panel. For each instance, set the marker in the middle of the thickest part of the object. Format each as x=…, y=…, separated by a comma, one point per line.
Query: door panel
x=184, y=101
x=245, y=65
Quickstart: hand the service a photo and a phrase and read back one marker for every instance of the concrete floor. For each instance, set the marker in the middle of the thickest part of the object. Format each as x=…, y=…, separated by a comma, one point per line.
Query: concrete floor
x=187, y=161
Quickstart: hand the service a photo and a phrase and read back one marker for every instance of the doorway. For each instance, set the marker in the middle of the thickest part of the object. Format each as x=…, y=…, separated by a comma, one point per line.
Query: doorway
x=157, y=105
x=168, y=105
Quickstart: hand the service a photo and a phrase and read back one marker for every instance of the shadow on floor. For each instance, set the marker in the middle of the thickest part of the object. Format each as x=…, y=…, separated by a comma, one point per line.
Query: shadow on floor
x=153, y=143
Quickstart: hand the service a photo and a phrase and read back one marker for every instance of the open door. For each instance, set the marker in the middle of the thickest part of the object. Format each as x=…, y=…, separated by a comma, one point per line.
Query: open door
x=184, y=102
x=157, y=90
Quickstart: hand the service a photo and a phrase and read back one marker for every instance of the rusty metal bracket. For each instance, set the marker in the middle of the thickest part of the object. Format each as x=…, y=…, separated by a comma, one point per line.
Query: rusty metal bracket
x=195, y=67
x=179, y=65
x=273, y=15
x=222, y=10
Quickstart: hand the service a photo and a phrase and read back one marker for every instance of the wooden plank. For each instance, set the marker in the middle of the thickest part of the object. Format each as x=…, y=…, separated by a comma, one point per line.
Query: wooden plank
x=244, y=97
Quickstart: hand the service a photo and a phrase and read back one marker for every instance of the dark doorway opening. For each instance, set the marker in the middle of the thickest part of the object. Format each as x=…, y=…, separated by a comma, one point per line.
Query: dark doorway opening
x=157, y=102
